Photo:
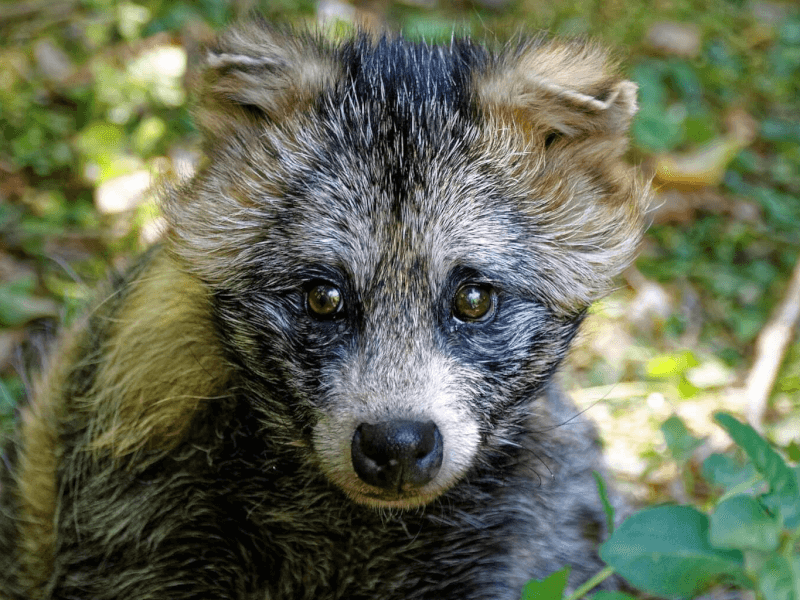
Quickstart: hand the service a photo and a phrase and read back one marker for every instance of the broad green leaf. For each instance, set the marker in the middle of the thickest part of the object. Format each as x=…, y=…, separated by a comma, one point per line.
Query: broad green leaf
x=700, y=128
x=778, y=579
x=793, y=449
x=724, y=471
x=603, y=492
x=741, y=522
x=684, y=78
x=680, y=441
x=665, y=551
x=656, y=129
x=550, y=588
x=782, y=481
x=649, y=77
x=754, y=562
x=604, y=595
x=794, y=567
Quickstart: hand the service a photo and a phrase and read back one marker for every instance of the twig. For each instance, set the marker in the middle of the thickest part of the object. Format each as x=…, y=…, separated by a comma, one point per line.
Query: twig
x=771, y=347
x=614, y=391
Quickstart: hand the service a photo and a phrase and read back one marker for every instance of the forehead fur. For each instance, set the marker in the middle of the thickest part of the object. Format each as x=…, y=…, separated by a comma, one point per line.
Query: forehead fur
x=409, y=76
x=362, y=150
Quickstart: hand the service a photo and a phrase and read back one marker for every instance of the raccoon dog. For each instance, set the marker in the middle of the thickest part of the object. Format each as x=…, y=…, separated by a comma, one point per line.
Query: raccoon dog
x=334, y=378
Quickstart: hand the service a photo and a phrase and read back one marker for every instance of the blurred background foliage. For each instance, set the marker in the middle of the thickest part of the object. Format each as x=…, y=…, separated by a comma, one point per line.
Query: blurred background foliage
x=94, y=109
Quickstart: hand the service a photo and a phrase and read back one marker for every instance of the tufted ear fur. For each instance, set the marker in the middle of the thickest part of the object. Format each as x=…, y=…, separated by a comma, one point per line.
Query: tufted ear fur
x=564, y=88
x=256, y=72
x=557, y=112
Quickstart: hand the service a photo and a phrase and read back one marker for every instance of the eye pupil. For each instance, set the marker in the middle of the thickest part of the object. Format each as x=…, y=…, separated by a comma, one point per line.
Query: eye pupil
x=473, y=302
x=324, y=300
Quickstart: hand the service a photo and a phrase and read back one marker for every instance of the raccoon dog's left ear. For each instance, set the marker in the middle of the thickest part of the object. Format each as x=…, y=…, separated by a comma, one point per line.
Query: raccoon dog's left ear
x=256, y=73
x=568, y=88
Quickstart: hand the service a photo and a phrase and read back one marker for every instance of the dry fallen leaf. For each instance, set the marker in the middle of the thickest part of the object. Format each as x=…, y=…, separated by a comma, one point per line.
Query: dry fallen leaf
x=703, y=167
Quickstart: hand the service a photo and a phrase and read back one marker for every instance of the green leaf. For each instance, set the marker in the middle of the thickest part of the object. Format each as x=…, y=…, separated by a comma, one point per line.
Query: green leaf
x=741, y=522
x=779, y=579
x=686, y=388
x=794, y=566
x=790, y=31
x=18, y=305
x=724, y=471
x=603, y=492
x=700, y=128
x=550, y=588
x=604, y=595
x=780, y=477
x=148, y=134
x=680, y=441
x=100, y=139
x=754, y=561
x=656, y=129
x=668, y=365
x=652, y=91
x=790, y=383
x=684, y=78
x=777, y=130
x=665, y=551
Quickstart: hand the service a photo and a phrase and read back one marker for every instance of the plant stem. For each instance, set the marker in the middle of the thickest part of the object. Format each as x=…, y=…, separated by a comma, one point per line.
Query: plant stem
x=594, y=581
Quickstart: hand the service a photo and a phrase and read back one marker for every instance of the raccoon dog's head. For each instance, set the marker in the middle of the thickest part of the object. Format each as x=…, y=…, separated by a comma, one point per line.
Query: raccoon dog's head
x=402, y=238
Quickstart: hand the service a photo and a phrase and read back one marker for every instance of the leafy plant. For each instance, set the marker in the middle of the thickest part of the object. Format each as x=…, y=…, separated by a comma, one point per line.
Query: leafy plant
x=751, y=539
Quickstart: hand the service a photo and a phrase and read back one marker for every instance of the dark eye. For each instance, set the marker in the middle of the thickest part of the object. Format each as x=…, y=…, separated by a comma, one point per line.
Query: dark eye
x=324, y=301
x=473, y=302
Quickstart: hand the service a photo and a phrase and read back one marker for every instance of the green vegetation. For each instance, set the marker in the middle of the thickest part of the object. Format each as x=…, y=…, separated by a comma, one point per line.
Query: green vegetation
x=750, y=540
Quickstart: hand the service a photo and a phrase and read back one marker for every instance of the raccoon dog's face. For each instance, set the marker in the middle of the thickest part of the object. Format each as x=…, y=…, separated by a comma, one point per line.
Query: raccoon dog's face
x=401, y=240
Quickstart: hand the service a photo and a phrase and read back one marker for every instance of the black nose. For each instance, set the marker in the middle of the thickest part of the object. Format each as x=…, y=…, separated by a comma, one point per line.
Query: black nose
x=395, y=454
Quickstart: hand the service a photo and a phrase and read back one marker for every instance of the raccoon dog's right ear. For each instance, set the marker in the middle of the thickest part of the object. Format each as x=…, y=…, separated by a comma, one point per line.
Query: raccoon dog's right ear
x=255, y=73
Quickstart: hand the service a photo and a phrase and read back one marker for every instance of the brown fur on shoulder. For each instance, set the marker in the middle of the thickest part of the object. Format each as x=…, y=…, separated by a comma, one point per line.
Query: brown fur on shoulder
x=161, y=361
x=40, y=454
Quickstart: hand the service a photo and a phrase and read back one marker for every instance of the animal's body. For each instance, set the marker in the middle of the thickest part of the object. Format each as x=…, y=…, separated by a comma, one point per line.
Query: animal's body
x=335, y=377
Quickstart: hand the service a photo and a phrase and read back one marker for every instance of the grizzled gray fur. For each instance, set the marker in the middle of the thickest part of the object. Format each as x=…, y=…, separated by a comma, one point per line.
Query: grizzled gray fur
x=335, y=376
